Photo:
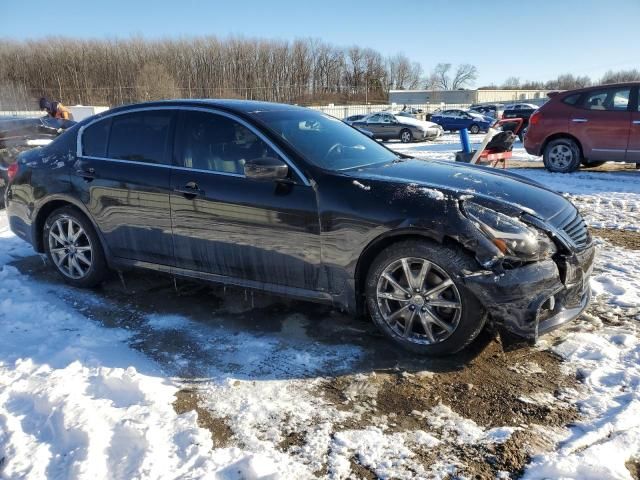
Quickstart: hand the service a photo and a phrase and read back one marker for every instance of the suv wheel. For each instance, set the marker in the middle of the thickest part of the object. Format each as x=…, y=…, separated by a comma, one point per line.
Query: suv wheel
x=415, y=296
x=562, y=155
x=406, y=136
x=74, y=248
x=474, y=129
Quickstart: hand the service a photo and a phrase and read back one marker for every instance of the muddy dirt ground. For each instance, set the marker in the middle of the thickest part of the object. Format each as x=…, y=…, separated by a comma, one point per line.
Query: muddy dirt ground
x=525, y=387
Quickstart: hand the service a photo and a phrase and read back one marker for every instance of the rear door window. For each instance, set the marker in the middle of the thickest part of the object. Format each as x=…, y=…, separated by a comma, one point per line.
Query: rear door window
x=142, y=137
x=216, y=143
x=95, y=138
x=611, y=99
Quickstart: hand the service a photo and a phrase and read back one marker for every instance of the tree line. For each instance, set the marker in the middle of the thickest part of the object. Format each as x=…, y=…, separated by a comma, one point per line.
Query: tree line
x=304, y=71
x=568, y=81
x=120, y=71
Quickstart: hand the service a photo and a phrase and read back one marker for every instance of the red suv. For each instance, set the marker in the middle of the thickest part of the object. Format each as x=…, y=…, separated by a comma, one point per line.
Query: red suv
x=589, y=126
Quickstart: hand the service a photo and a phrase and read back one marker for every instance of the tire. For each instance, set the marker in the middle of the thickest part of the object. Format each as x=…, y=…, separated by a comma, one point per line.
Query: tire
x=463, y=322
x=562, y=156
x=61, y=249
x=592, y=164
x=406, y=136
x=474, y=129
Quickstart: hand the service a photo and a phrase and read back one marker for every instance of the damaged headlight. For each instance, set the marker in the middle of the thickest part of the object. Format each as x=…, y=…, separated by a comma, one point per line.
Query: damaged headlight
x=513, y=238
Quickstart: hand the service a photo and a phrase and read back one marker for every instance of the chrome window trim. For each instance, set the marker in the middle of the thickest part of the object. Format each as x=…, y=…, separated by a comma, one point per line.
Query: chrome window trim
x=178, y=108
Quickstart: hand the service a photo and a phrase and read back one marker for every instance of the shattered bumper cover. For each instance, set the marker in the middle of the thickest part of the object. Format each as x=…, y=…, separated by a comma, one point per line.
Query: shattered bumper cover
x=534, y=299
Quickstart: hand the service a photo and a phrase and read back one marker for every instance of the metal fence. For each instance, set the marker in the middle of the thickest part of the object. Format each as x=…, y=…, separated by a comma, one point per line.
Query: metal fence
x=343, y=111
x=20, y=113
x=338, y=111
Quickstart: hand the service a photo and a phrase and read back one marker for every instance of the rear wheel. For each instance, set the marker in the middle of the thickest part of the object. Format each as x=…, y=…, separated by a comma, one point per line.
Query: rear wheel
x=406, y=136
x=415, y=296
x=562, y=155
x=74, y=248
x=474, y=129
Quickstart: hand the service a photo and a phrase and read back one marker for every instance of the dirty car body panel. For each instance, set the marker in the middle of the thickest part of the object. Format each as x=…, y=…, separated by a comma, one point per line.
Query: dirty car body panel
x=314, y=233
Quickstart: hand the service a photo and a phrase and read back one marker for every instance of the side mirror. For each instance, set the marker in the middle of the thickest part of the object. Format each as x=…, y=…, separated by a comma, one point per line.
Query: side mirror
x=266, y=169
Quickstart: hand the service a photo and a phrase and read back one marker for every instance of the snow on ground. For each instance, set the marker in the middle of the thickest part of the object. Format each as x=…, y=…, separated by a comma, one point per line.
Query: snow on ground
x=78, y=401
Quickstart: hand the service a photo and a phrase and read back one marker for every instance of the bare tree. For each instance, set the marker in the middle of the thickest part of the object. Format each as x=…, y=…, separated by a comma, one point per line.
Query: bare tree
x=439, y=78
x=465, y=75
x=621, y=76
x=511, y=83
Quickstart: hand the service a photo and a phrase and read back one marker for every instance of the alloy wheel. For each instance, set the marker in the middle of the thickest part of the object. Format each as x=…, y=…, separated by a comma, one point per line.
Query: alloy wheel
x=418, y=301
x=406, y=136
x=70, y=248
x=561, y=156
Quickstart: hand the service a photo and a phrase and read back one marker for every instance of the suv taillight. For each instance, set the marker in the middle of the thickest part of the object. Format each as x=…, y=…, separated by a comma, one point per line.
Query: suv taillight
x=534, y=118
x=12, y=171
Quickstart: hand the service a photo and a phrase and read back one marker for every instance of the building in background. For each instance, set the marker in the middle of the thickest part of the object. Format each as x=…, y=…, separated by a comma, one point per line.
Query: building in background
x=421, y=97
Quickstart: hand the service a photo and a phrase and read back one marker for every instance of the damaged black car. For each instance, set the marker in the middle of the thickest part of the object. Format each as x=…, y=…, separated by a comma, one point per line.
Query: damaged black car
x=297, y=203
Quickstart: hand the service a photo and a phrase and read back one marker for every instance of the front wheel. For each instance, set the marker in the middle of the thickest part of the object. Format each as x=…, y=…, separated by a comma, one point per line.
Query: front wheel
x=474, y=129
x=74, y=248
x=406, y=136
x=415, y=296
x=562, y=155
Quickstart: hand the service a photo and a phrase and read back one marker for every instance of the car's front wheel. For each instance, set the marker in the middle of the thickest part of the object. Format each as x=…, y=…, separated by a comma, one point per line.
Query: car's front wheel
x=415, y=296
x=474, y=129
x=406, y=136
x=74, y=248
x=562, y=155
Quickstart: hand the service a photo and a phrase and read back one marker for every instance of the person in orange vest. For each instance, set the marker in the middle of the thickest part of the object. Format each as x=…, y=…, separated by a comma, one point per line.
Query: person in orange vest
x=55, y=109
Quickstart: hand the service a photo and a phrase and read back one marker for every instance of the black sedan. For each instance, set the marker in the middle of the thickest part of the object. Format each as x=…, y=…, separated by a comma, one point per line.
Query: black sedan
x=295, y=202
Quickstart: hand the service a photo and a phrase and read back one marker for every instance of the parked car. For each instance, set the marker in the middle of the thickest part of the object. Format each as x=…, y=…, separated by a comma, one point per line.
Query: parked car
x=295, y=202
x=456, y=119
x=588, y=126
x=388, y=126
x=492, y=110
x=523, y=111
x=353, y=118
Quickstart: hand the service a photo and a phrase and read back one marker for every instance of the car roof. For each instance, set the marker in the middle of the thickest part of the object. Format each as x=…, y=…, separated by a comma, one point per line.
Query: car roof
x=239, y=106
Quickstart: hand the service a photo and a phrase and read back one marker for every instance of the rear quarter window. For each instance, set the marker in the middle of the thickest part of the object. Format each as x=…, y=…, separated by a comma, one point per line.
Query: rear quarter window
x=95, y=138
x=571, y=99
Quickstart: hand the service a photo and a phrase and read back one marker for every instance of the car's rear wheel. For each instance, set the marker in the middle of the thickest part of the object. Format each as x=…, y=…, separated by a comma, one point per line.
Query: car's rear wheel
x=406, y=136
x=562, y=155
x=415, y=296
x=74, y=248
x=474, y=129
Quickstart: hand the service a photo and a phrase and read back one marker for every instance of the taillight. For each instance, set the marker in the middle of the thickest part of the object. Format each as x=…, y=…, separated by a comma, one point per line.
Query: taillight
x=534, y=118
x=12, y=171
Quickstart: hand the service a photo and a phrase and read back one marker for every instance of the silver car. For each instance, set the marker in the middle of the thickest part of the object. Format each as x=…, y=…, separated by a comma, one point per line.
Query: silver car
x=387, y=126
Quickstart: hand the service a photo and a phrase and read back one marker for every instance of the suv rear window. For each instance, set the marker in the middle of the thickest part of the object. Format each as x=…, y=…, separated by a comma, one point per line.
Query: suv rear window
x=141, y=137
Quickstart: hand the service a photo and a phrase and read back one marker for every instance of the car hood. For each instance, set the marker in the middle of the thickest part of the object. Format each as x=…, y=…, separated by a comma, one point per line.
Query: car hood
x=416, y=123
x=497, y=189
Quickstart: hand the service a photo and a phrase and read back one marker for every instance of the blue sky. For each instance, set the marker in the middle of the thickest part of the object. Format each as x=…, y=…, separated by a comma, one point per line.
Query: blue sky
x=536, y=39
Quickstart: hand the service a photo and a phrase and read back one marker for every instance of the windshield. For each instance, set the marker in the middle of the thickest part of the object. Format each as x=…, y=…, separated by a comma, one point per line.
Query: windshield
x=324, y=140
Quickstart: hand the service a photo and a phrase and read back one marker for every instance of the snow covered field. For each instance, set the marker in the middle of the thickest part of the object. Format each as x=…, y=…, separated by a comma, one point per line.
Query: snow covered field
x=148, y=381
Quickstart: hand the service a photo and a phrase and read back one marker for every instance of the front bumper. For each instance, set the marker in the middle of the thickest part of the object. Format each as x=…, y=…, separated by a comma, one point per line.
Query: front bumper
x=534, y=299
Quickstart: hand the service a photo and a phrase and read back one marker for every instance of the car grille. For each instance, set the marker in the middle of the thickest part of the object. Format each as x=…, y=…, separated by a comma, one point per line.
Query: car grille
x=576, y=231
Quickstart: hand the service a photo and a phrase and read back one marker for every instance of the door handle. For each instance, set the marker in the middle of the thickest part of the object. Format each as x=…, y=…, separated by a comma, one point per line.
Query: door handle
x=190, y=189
x=579, y=120
x=636, y=122
x=88, y=173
